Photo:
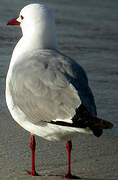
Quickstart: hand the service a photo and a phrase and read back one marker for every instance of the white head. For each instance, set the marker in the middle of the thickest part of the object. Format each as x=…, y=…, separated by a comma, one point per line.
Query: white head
x=38, y=25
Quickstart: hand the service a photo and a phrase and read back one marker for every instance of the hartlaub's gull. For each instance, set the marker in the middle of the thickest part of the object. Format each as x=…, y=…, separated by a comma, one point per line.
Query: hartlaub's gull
x=47, y=93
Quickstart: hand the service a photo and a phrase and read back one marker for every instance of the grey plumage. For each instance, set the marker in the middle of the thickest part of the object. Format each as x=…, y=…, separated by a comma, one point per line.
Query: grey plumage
x=45, y=85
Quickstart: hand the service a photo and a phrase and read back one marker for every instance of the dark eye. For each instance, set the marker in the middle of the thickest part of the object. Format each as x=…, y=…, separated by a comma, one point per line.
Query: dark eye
x=22, y=17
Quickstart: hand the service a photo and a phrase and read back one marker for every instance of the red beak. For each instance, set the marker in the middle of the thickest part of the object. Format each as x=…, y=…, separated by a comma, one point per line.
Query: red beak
x=13, y=22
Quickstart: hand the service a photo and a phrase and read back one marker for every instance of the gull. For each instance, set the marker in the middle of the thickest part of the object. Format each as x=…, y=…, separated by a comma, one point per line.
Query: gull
x=47, y=92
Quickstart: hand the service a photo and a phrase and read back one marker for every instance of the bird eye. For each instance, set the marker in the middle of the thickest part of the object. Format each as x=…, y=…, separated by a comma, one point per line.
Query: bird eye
x=22, y=17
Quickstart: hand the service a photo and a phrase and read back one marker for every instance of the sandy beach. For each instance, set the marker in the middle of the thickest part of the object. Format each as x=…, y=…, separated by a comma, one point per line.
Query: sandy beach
x=92, y=158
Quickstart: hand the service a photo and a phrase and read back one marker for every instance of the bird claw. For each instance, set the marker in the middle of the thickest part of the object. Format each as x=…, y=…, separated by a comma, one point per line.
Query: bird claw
x=70, y=176
x=33, y=173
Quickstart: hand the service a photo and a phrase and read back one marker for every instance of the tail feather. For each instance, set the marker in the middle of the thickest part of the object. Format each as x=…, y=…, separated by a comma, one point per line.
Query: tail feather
x=103, y=124
x=84, y=118
x=97, y=125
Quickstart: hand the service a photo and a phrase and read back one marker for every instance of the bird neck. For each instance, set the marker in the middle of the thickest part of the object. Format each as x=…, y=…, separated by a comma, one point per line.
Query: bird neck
x=40, y=41
x=40, y=36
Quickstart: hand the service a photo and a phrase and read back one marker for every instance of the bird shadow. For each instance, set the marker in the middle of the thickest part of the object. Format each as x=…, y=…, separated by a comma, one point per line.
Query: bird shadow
x=73, y=177
x=53, y=175
x=77, y=177
x=63, y=177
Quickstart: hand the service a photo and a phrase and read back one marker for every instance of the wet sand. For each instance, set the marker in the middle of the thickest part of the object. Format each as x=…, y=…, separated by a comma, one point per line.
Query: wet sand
x=92, y=158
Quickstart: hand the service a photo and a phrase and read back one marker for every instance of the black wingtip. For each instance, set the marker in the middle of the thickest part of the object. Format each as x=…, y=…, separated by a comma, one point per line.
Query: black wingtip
x=83, y=118
x=97, y=132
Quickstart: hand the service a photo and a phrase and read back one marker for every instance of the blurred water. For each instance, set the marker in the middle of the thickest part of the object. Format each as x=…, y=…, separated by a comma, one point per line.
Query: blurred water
x=86, y=31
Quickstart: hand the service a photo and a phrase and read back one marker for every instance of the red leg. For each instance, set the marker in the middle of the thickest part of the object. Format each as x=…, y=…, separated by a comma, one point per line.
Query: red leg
x=69, y=175
x=33, y=146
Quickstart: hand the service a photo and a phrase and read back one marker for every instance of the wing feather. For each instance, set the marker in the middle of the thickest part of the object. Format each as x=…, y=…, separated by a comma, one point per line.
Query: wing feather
x=49, y=87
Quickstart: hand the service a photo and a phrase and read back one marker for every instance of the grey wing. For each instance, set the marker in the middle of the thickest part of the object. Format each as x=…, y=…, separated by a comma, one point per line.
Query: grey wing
x=77, y=77
x=50, y=88
x=42, y=91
